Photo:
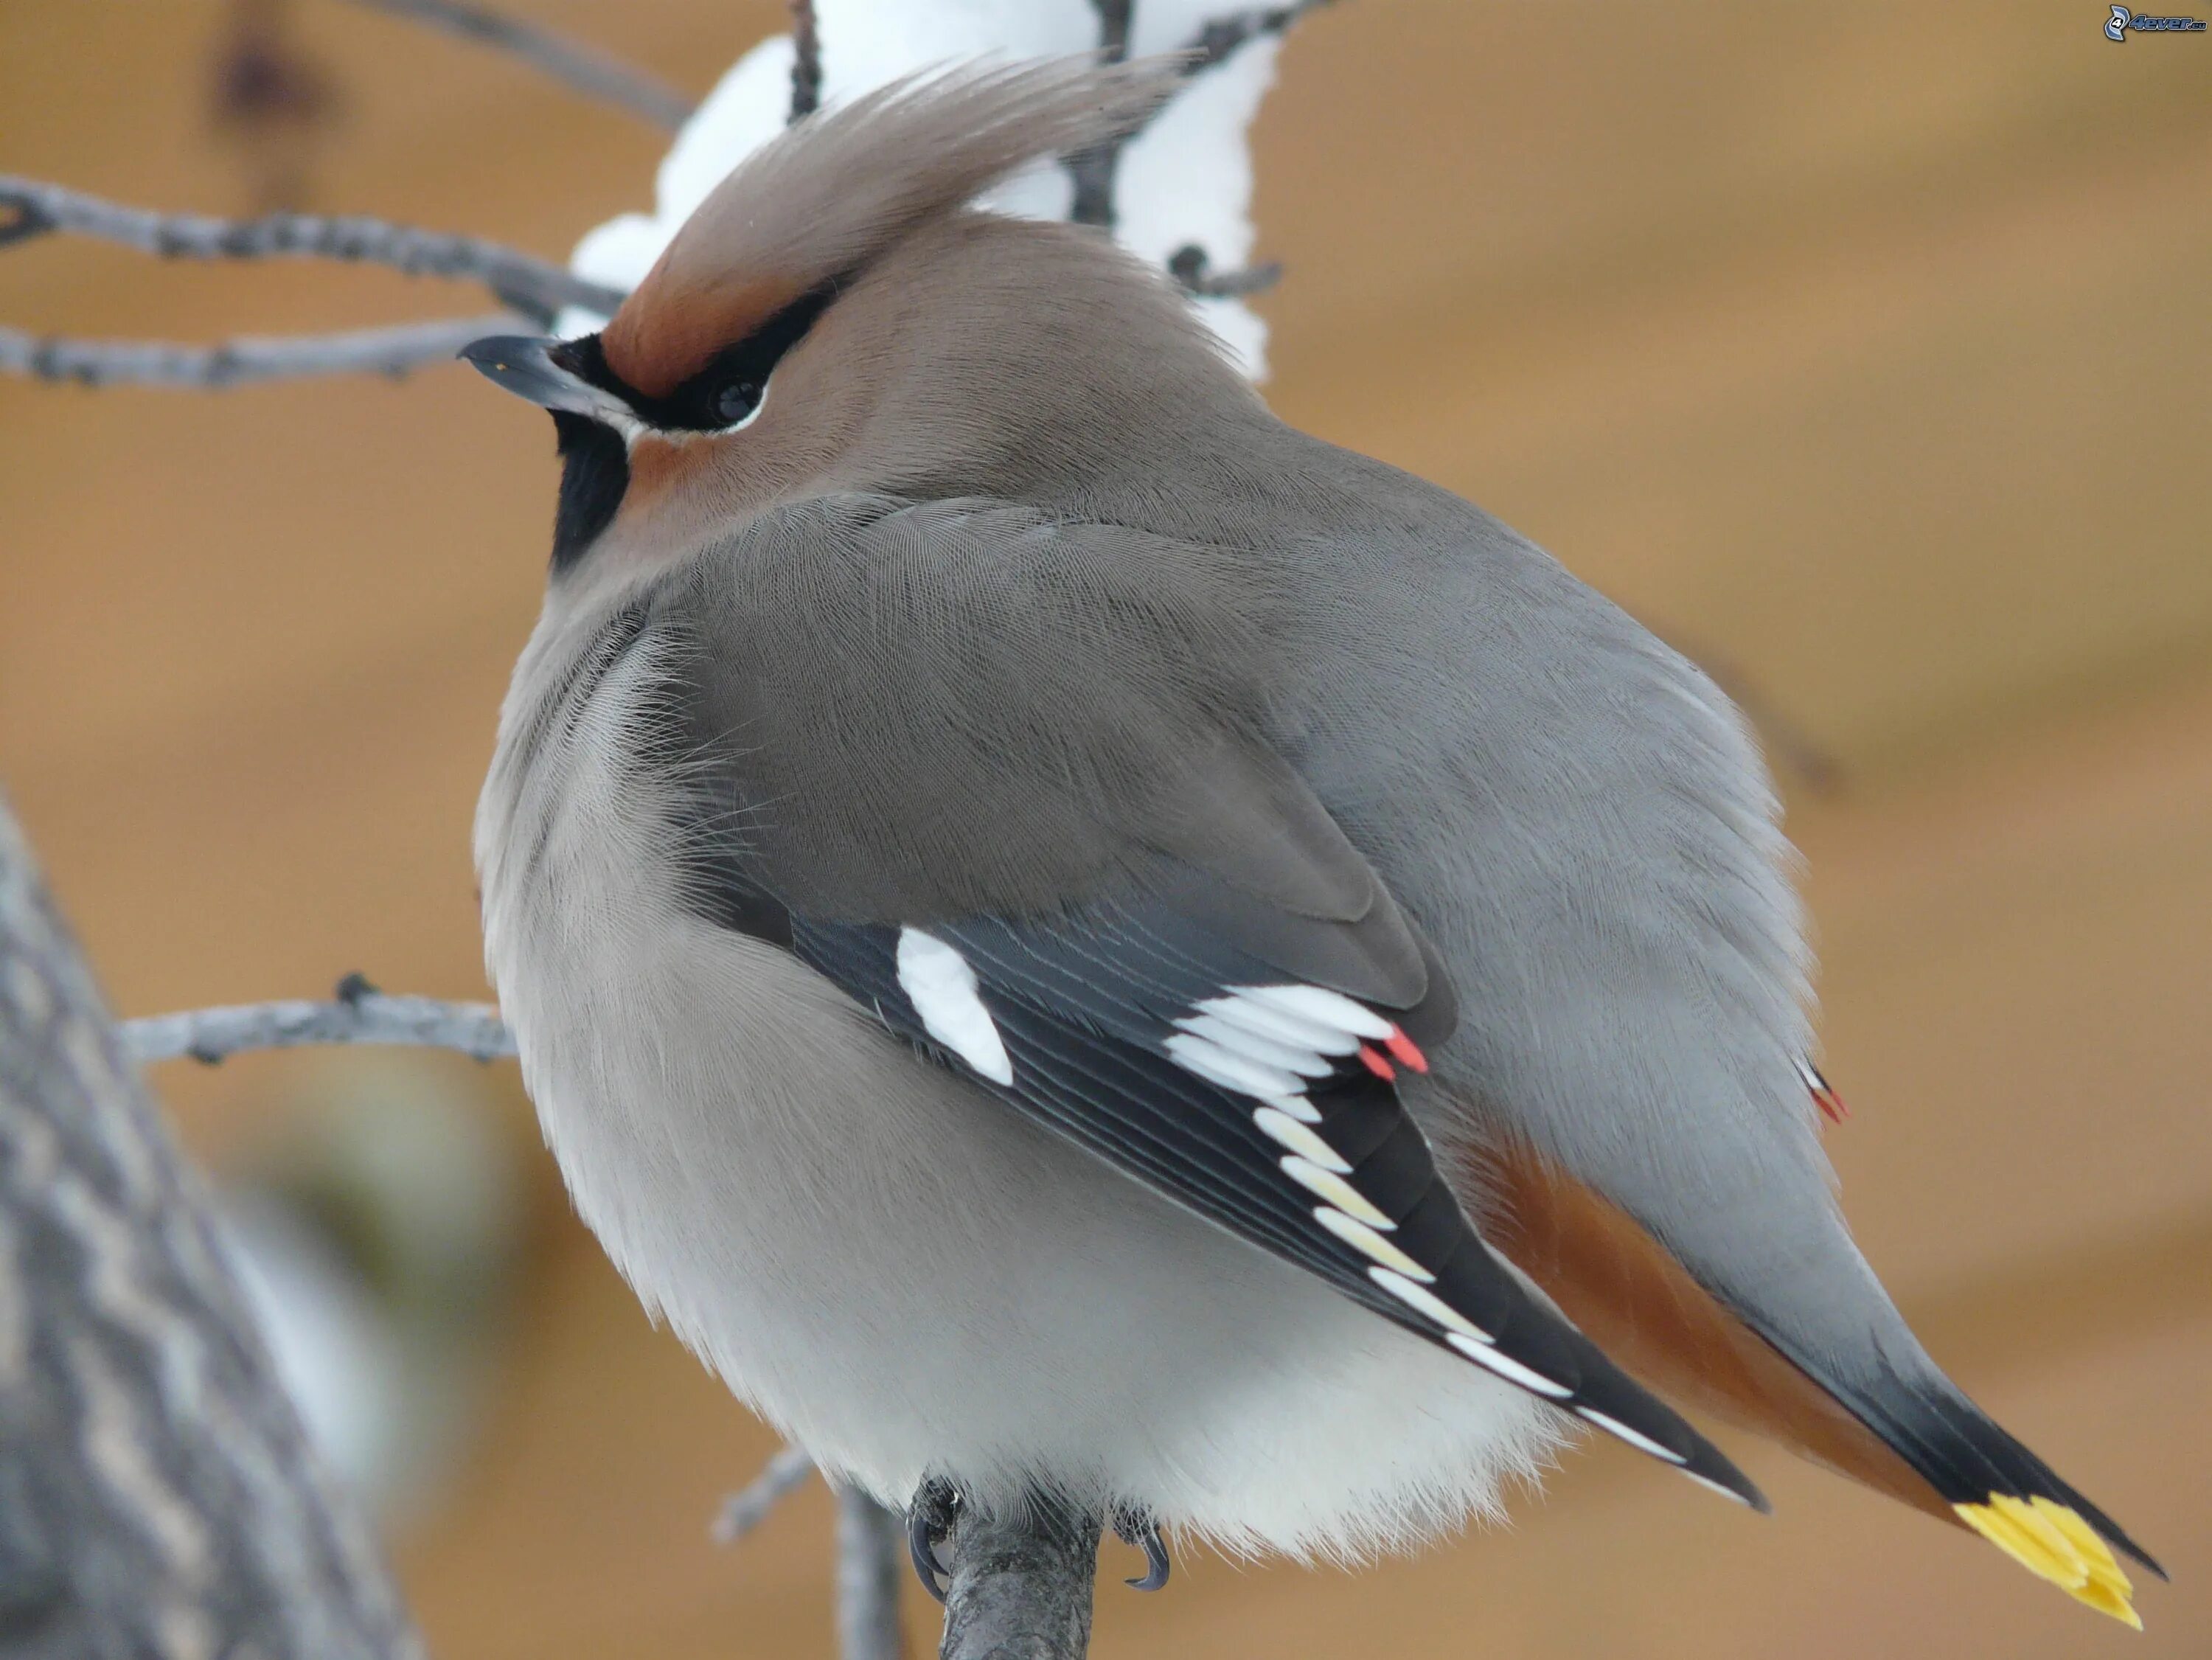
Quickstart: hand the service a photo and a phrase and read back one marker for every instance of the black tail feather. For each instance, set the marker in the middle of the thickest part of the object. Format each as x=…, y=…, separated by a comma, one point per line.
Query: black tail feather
x=1959, y=1449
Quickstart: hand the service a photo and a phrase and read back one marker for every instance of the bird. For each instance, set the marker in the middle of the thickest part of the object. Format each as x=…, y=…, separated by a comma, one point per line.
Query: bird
x=1075, y=941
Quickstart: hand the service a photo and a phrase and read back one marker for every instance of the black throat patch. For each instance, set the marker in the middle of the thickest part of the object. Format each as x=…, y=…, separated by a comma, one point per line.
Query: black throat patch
x=594, y=473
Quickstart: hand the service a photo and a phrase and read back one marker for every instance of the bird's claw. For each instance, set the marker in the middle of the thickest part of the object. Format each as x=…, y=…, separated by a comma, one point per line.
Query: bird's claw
x=928, y=1520
x=1136, y=1527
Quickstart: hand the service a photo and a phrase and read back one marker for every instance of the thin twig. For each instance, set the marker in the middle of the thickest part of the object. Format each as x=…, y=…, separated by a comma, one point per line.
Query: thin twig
x=274, y=100
x=806, y=61
x=579, y=68
x=746, y=1509
x=871, y=1568
x=1789, y=748
x=1223, y=38
x=519, y=279
x=1114, y=19
x=247, y=360
x=1189, y=267
x=210, y=1035
x=1092, y=170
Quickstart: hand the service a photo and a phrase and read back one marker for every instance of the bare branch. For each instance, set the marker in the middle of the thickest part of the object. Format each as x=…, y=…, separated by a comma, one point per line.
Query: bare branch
x=247, y=360
x=273, y=100
x=1223, y=38
x=211, y=1036
x=519, y=279
x=1791, y=750
x=1092, y=171
x=579, y=68
x=1794, y=751
x=870, y=1567
x=1021, y=1585
x=745, y=1510
x=535, y=287
x=806, y=61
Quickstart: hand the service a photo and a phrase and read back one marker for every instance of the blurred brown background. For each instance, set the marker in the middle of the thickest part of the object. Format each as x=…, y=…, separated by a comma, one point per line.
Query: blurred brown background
x=1865, y=352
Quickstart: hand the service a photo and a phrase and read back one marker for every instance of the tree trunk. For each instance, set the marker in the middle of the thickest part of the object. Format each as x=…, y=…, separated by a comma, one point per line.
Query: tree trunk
x=158, y=1497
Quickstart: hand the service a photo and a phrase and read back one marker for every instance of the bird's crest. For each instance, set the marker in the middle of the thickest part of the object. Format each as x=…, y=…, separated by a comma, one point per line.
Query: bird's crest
x=816, y=204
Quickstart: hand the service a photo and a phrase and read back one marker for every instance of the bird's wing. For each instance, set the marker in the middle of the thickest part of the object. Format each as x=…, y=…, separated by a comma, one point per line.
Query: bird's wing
x=999, y=778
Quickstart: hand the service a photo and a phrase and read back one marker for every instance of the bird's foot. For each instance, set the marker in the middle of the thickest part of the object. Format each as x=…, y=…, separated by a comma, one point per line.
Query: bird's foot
x=1136, y=1527
x=928, y=1522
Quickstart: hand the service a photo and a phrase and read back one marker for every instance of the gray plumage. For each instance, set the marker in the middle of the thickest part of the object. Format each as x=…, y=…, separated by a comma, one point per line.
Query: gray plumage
x=1010, y=607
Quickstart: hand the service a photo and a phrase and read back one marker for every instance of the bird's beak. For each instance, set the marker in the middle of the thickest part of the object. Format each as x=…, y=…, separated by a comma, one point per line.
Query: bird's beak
x=530, y=368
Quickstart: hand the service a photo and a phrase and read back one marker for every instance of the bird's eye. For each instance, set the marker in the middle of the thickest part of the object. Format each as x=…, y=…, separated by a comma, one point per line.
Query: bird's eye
x=736, y=399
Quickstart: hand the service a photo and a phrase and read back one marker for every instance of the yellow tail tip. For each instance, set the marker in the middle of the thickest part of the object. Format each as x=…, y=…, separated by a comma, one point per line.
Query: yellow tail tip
x=2053, y=1542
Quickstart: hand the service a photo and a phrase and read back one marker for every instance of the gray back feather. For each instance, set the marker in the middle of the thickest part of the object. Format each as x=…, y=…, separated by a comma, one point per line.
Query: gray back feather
x=959, y=708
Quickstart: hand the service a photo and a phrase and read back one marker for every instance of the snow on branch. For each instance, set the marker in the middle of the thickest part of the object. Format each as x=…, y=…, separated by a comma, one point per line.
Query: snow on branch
x=1220, y=39
x=578, y=67
x=1177, y=193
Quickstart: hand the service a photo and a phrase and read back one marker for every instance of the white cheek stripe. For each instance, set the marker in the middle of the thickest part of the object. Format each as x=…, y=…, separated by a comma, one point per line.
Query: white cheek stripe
x=1326, y=1184
x=941, y=985
x=1427, y=1303
x=1288, y=1132
x=1642, y=1443
x=1508, y=1368
x=1361, y=1237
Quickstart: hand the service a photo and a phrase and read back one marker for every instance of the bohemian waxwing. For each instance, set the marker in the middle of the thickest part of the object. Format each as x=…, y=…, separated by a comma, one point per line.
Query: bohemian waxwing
x=1070, y=938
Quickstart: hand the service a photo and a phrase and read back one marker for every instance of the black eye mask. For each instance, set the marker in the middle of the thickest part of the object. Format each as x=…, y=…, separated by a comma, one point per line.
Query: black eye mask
x=722, y=394
x=595, y=458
